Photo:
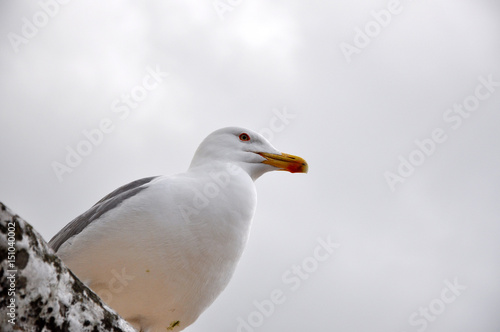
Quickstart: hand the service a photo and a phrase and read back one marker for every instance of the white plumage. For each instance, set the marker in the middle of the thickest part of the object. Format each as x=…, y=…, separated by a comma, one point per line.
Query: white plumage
x=160, y=250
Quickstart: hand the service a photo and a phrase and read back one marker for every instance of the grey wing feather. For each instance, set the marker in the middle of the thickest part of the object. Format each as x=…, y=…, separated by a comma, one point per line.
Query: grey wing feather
x=106, y=204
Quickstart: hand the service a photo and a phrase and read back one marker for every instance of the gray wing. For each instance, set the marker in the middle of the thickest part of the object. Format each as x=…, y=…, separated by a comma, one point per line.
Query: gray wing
x=106, y=204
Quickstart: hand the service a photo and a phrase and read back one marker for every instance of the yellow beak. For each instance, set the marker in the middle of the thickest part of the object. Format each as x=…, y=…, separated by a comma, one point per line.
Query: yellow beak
x=285, y=162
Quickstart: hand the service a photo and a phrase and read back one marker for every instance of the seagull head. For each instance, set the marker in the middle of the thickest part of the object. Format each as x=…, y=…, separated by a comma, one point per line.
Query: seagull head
x=247, y=149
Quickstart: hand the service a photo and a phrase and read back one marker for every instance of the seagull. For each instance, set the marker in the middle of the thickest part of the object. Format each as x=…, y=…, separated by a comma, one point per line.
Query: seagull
x=159, y=250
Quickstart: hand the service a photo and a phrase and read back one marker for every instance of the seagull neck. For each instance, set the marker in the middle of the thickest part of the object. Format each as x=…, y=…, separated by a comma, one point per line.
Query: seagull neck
x=217, y=167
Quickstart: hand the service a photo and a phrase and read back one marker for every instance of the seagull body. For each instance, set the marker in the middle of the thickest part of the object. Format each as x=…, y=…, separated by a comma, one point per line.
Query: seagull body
x=160, y=250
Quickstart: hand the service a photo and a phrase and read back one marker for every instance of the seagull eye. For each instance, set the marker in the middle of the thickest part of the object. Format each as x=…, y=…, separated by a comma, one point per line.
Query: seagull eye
x=244, y=137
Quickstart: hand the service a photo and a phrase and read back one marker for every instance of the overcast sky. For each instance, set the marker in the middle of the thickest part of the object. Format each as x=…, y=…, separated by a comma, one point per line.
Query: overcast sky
x=394, y=104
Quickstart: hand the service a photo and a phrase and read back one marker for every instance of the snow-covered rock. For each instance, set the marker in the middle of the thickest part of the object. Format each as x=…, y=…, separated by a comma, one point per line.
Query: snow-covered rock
x=38, y=292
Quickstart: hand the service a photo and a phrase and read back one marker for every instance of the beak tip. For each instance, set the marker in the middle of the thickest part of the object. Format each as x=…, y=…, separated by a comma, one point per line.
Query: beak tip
x=298, y=168
x=305, y=168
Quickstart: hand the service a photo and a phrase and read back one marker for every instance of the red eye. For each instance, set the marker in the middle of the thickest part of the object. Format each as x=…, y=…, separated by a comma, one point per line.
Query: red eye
x=244, y=137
